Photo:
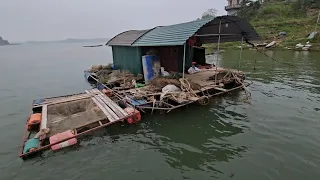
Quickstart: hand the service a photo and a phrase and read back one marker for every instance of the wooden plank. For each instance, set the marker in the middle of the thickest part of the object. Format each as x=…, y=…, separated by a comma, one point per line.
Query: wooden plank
x=115, y=116
x=110, y=118
x=193, y=98
x=110, y=112
x=115, y=107
x=103, y=109
x=44, y=116
x=178, y=100
x=205, y=88
x=220, y=89
x=111, y=102
x=64, y=100
x=119, y=114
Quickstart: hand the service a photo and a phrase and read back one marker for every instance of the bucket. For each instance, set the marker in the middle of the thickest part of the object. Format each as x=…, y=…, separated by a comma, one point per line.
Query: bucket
x=151, y=67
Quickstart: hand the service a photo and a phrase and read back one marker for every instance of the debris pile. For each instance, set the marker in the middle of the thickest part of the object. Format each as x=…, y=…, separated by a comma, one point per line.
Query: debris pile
x=168, y=91
x=107, y=75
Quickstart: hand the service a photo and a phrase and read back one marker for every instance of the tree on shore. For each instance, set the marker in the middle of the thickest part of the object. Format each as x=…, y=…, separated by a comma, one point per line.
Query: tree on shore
x=210, y=13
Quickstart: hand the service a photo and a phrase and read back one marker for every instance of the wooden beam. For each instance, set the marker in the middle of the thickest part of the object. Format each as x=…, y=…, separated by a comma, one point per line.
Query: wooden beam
x=44, y=116
x=68, y=99
x=220, y=89
x=111, y=102
x=111, y=107
x=103, y=109
x=115, y=116
x=110, y=118
x=107, y=107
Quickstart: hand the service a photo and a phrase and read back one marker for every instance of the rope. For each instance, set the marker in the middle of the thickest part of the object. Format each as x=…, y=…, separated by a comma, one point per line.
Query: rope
x=185, y=85
x=253, y=46
x=204, y=100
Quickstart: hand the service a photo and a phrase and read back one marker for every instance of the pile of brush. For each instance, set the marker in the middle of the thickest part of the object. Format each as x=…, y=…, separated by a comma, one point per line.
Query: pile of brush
x=161, y=82
x=97, y=68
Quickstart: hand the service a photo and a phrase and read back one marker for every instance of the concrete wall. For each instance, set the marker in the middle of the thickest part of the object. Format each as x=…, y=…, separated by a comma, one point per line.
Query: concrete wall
x=232, y=12
x=234, y=2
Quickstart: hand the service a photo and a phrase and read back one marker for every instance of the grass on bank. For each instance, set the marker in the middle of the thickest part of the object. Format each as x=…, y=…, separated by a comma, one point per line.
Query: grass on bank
x=273, y=18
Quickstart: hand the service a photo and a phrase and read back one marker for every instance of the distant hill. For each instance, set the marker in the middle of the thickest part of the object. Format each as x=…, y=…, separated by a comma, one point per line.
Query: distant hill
x=3, y=42
x=71, y=40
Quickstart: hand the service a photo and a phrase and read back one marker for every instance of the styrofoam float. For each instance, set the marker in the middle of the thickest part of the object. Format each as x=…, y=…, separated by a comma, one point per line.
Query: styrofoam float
x=60, y=137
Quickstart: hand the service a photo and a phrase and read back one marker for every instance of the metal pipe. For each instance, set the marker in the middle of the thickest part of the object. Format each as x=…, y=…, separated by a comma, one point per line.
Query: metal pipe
x=240, y=59
x=218, y=51
x=206, y=35
x=184, y=60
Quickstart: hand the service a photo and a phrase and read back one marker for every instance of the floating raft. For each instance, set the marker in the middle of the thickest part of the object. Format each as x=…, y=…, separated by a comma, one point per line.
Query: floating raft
x=57, y=122
x=210, y=82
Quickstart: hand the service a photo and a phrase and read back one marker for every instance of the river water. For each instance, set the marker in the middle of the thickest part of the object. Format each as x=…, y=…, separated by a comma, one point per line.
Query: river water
x=275, y=137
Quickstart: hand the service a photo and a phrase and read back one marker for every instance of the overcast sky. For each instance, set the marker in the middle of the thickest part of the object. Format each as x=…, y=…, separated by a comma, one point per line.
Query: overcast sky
x=24, y=20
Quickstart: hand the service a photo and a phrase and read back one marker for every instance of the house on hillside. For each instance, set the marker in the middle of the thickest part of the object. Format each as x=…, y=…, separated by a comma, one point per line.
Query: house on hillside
x=234, y=5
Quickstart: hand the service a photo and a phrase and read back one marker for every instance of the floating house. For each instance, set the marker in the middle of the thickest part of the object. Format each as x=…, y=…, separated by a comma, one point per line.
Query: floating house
x=177, y=45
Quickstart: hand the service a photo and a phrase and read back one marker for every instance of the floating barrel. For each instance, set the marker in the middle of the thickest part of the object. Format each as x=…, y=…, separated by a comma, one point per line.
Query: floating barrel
x=151, y=67
x=60, y=137
x=34, y=121
x=135, y=115
x=107, y=92
x=30, y=145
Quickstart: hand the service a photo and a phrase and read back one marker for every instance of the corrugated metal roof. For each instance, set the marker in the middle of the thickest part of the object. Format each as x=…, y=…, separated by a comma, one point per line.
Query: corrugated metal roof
x=126, y=38
x=171, y=35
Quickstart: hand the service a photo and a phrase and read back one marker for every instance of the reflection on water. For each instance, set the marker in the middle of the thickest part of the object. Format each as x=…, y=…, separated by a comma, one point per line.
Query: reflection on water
x=199, y=140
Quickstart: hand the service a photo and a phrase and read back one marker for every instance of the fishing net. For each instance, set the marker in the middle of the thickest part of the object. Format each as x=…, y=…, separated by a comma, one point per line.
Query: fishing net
x=96, y=68
x=71, y=115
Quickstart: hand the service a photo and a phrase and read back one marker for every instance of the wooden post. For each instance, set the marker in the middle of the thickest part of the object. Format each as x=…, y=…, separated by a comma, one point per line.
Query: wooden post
x=315, y=30
x=184, y=60
x=218, y=51
x=240, y=59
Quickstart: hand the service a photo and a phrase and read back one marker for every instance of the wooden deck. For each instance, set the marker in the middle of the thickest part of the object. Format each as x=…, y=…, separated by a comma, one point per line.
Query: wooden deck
x=202, y=77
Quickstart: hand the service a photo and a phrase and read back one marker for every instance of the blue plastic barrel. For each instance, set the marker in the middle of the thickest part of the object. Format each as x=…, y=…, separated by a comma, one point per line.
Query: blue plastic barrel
x=151, y=67
x=100, y=86
x=31, y=143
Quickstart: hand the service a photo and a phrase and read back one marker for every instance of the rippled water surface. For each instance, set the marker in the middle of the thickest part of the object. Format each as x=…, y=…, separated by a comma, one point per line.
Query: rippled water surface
x=275, y=137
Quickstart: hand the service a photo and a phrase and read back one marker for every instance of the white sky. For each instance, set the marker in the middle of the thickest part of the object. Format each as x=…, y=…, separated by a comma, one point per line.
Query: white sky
x=24, y=20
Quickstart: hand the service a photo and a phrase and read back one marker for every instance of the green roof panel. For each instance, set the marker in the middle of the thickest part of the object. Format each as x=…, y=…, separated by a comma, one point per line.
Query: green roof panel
x=172, y=35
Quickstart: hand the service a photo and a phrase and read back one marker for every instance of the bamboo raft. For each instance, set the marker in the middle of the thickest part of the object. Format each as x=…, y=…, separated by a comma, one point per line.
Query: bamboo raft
x=144, y=98
x=80, y=113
